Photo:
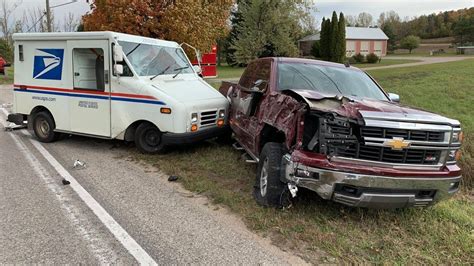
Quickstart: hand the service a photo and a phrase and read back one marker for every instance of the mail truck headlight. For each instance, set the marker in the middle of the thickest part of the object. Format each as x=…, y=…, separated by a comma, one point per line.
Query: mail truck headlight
x=222, y=114
x=194, y=118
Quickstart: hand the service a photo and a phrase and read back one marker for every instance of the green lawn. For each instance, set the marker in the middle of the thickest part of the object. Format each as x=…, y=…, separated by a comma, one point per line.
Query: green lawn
x=8, y=78
x=318, y=230
x=225, y=72
x=387, y=62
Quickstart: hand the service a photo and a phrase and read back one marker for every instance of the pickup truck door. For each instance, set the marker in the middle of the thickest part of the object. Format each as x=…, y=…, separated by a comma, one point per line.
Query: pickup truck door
x=245, y=98
x=89, y=109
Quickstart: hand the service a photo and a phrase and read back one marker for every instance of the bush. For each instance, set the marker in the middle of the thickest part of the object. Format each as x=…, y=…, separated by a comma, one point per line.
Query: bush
x=372, y=58
x=316, y=49
x=351, y=60
x=359, y=58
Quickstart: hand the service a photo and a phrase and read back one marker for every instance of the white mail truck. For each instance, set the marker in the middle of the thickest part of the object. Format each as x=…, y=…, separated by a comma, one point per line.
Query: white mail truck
x=115, y=86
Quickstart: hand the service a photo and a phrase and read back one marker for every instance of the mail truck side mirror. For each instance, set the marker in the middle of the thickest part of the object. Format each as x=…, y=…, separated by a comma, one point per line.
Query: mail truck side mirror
x=118, y=53
x=197, y=69
x=118, y=69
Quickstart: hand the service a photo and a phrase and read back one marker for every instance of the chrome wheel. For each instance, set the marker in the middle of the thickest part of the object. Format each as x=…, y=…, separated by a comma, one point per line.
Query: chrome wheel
x=264, y=178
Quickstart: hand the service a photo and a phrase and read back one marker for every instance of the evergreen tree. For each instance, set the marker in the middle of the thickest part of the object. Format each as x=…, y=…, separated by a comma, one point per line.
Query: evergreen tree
x=323, y=41
x=334, y=40
x=341, y=39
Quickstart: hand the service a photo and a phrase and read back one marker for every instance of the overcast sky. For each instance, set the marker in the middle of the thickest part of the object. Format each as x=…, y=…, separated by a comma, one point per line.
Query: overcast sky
x=405, y=8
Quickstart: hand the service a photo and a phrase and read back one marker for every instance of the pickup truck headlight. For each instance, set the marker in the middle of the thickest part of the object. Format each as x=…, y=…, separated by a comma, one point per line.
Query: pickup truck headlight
x=457, y=137
x=454, y=155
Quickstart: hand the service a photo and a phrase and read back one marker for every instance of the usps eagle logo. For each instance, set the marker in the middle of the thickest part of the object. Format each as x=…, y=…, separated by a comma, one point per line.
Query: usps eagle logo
x=48, y=64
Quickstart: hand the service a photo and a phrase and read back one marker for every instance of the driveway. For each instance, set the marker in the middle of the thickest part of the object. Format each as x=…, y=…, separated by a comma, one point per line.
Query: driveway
x=114, y=210
x=423, y=61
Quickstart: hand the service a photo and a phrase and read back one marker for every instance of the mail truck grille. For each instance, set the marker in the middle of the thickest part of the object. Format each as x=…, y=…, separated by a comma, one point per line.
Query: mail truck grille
x=388, y=155
x=415, y=135
x=208, y=118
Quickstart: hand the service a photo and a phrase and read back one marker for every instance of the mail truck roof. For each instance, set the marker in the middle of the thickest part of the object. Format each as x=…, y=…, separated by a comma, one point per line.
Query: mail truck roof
x=90, y=35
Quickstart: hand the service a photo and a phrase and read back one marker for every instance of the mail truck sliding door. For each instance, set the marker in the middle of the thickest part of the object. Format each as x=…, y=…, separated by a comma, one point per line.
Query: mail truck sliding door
x=89, y=105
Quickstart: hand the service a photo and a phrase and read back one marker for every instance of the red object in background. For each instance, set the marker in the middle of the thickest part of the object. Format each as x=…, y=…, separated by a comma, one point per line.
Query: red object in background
x=2, y=65
x=209, y=63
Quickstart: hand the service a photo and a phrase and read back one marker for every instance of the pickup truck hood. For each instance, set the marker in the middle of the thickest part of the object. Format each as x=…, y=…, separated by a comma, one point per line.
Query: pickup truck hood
x=371, y=109
x=187, y=90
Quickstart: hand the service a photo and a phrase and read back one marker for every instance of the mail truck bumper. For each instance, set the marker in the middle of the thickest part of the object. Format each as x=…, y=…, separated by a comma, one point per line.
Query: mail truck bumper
x=192, y=137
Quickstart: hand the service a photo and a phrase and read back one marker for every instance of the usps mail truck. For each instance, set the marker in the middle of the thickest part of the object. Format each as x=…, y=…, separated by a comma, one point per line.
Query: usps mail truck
x=115, y=86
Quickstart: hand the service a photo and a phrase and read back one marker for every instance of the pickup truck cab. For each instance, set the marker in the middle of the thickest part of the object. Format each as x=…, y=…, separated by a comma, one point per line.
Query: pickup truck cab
x=114, y=86
x=332, y=129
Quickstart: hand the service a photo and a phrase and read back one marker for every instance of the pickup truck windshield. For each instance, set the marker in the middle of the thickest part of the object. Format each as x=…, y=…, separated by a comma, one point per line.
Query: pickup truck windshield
x=329, y=81
x=153, y=60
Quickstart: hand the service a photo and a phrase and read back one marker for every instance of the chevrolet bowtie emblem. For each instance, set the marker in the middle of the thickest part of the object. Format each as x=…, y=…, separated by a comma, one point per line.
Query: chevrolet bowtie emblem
x=397, y=144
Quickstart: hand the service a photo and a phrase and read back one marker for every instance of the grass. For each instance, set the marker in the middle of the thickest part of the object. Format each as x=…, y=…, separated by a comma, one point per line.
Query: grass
x=8, y=79
x=387, y=62
x=318, y=230
x=225, y=72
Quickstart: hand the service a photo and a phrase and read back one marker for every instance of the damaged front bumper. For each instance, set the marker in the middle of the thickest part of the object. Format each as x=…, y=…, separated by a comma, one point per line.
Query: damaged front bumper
x=370, y=191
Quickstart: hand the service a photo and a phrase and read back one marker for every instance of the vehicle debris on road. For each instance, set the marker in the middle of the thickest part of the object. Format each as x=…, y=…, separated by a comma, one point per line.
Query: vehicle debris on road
x=79, y=165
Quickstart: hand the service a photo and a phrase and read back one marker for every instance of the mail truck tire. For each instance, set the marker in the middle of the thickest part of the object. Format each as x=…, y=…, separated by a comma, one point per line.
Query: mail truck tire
x=43, y=126
x=148, y=138
x=269, y=189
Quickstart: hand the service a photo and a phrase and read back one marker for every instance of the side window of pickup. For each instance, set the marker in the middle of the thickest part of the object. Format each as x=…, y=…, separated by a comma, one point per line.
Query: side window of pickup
x=255, y=71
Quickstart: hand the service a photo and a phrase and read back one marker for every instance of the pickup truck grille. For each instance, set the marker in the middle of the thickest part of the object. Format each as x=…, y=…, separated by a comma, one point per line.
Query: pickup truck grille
x=208, y=118
x=389, y=133
x=387, y=155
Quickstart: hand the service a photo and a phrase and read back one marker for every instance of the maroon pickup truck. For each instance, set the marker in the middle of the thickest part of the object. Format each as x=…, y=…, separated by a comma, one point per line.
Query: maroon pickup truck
x=332, y=129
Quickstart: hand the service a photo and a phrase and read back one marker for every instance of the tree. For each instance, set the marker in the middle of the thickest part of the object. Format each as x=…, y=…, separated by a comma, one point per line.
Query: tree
x=341, y=40
x=387, y=28
x=325, y=39
x=7, y=24
x=334, y=43
x=316, y=49
x=410, y=42
x=364, y=19
x=268, y=28
x=197, y=22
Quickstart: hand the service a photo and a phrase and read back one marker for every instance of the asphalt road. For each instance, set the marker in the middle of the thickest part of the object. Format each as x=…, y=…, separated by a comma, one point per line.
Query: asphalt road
x=114, y=211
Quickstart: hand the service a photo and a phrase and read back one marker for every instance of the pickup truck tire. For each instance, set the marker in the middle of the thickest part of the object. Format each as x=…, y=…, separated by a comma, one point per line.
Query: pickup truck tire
x=43, y=126
x=148, y=139
x=268, y=189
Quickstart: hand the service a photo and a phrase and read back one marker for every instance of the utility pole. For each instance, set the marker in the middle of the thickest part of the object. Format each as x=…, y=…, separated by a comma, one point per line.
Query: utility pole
x=48, y=16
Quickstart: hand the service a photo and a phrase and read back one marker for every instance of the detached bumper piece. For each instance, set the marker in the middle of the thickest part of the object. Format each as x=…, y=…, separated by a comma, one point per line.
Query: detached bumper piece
x=369, y=191
x=17, y=119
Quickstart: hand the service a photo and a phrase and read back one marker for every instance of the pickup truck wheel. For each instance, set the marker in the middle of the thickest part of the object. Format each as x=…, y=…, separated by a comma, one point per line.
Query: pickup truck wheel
x=43, y=126
x=268, y=189
x=148, y=138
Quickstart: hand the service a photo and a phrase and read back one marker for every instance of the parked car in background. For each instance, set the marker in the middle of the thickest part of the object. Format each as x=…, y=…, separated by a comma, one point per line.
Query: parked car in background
x=3, y=64
x=332, y=129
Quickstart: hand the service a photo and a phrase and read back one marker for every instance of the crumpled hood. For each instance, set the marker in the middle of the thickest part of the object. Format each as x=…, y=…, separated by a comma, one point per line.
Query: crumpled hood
x=370, y=109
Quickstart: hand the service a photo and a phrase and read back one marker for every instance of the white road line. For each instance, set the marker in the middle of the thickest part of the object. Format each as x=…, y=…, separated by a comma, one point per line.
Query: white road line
x=100, y=250
x=114, y=227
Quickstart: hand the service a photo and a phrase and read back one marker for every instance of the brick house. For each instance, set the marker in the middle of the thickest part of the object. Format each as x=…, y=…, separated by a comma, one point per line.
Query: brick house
x=358, y=40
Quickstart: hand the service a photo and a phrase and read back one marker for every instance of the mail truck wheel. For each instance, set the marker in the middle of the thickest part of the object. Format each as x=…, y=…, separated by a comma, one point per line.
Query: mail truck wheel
x=148, y=138
x=268, y=189
x=43, y=126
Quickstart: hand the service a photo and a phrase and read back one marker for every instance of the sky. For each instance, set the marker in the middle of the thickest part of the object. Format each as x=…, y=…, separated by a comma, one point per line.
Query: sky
x=405, y=8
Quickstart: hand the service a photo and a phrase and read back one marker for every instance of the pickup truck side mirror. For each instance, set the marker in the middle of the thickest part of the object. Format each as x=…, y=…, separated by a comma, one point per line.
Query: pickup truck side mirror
x=394, y=97
x=118, y=53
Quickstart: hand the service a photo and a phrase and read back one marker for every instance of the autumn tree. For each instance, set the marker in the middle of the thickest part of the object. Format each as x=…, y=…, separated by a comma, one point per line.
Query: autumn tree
x=197, y=22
